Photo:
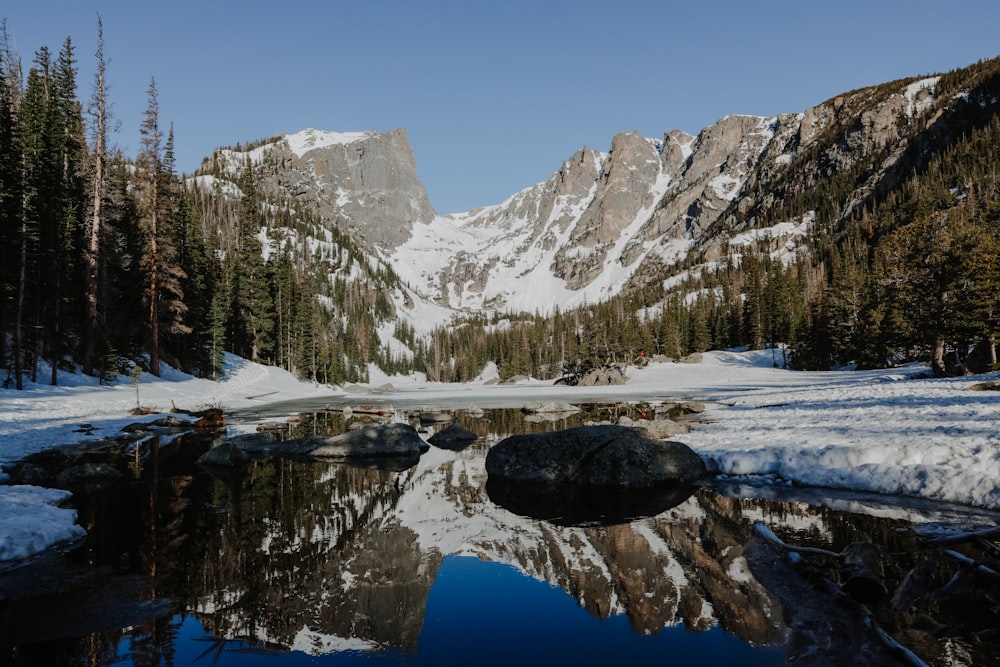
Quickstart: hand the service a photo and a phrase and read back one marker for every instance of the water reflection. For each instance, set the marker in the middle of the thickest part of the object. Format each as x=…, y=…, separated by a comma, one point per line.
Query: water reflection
x=293, y=559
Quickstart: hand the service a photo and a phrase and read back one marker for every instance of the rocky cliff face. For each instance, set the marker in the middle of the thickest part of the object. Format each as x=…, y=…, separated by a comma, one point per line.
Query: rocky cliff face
x=364, y=181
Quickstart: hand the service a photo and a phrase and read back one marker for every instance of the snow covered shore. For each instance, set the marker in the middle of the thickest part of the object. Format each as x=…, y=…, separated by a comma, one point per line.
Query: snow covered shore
x=888, y=432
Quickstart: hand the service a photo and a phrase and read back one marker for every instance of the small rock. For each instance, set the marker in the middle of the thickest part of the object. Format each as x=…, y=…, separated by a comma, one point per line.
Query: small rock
x=171, y=422
x=992, y=385
x=553, y=407
x=456, y=437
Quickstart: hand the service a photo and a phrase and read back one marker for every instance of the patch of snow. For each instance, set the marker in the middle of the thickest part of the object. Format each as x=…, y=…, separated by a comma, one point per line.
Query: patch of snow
x=302, y=142
x=920, y=94
x=31, y=521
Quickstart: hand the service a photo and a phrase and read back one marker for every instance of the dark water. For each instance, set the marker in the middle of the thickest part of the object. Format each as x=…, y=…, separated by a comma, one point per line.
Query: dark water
x=326, y=564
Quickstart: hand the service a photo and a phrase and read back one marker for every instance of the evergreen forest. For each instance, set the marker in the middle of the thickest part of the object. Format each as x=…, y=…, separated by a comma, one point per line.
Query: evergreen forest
x=111, y=261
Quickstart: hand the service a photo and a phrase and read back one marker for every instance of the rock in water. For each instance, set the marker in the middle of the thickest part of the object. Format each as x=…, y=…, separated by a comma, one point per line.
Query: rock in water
x=371, y=441
x=605, y=455
x=455, y=438
x=226, y=454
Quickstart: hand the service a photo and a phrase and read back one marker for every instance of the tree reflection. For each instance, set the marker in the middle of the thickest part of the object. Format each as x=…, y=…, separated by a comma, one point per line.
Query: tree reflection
x=320, y=557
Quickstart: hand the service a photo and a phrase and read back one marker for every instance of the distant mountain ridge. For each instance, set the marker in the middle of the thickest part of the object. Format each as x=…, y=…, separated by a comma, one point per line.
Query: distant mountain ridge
x=604, y=221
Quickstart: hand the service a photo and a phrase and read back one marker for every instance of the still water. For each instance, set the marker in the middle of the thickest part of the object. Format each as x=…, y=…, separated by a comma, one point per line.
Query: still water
x=315, y=563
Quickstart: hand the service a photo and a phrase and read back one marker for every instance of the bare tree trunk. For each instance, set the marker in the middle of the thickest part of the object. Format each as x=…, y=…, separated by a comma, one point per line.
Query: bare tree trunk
x=93, y=245
x=154, y=296
x=937, y=364
x=19, y=328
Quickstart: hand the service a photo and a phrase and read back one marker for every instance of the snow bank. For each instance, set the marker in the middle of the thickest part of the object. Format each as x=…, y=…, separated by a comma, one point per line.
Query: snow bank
x=30, y=521
x=888, y=432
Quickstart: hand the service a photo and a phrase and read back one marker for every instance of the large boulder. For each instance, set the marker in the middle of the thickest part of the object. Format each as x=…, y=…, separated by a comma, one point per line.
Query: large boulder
x=603, y=456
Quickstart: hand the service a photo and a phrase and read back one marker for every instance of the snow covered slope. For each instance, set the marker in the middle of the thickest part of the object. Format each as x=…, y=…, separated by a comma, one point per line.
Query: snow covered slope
x=603, y=221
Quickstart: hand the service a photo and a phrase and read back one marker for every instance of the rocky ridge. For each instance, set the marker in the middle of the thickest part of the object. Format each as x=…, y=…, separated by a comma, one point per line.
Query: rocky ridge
x=604, y=220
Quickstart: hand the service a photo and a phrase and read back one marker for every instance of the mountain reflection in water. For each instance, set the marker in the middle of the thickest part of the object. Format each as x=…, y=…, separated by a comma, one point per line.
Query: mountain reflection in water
x=295, y=561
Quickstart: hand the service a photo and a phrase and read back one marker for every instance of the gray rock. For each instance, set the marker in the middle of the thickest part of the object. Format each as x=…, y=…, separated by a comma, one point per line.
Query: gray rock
x=436, y=417
x=226, y=454
x=371, y=441
x=658, y=428
x=603, y=377
x=28, y=473
x=609, y=456
x=455, y=437
x=171, y=421
x=551, y=408
x=87, y=473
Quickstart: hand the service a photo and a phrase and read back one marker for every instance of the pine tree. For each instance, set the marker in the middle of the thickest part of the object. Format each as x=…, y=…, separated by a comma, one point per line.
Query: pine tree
x=71, y=193
x=159, y=193
x=10, y=199
x=250, y=326
x=149, y=184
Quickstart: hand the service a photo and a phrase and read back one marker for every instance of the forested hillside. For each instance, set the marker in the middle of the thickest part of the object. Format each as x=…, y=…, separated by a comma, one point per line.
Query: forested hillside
x=111, y=260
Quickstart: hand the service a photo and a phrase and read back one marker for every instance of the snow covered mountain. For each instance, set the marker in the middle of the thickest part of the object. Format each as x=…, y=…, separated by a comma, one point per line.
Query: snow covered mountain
x=602, y=222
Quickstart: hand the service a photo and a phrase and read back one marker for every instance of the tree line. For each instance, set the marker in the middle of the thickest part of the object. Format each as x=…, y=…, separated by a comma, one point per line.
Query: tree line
x=107, y=260
x=909, y=273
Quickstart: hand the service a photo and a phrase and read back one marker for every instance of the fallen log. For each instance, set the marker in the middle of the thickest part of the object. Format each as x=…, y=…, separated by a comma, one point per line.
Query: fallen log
x=985, y=533
x=862, y=572
x=861, y=565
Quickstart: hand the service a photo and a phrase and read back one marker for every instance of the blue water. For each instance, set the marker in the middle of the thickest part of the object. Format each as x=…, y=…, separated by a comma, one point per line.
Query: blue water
x=481, y=613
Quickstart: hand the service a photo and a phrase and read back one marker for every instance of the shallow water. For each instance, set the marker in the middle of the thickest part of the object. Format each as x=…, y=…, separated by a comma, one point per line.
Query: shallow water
x=294, y=562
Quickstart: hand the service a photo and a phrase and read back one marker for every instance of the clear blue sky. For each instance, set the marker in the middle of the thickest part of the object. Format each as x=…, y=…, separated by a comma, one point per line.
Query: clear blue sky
x=494, y=95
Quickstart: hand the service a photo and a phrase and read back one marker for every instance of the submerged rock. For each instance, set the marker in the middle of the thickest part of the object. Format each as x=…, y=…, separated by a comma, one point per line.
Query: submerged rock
x=574, y=505
x=436, y=417
x=607, y=456
x=371, y=441
x=226, y=454
x=455, y=438
x=550, y=408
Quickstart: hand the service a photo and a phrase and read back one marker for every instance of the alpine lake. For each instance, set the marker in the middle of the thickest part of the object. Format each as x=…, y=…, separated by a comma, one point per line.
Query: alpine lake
x=305, y=562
